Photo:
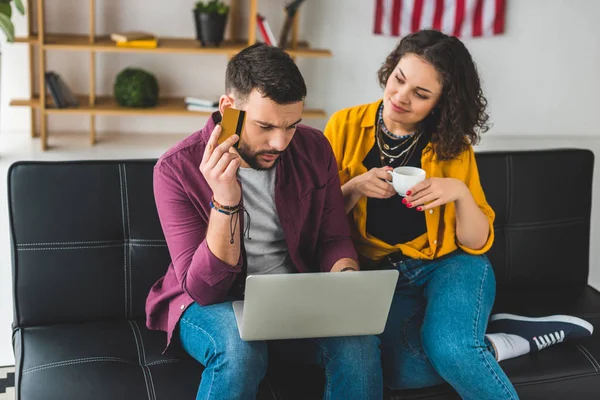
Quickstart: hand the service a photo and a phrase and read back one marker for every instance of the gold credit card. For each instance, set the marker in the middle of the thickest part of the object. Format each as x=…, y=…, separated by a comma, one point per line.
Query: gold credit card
x=232, y=123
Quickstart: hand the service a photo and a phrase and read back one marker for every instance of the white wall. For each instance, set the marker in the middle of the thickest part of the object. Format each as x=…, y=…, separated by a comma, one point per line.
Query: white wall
x=541, y=77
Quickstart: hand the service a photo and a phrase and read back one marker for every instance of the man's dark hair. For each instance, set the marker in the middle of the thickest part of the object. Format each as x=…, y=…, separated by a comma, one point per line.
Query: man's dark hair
x=269, y=70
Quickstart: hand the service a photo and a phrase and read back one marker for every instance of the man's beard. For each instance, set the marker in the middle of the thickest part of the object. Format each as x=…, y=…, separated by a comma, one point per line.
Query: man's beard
x=252, y=158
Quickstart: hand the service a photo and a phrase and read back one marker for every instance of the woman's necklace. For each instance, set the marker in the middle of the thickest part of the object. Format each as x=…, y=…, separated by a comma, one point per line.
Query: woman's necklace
x=391, y=158
x=407, y=145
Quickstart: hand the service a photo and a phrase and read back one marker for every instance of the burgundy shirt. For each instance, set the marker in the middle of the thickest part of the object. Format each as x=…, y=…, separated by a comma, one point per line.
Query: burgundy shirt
x=309, y=204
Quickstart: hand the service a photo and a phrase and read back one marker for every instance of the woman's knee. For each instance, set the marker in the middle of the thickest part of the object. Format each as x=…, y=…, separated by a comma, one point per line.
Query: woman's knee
x=447, y=351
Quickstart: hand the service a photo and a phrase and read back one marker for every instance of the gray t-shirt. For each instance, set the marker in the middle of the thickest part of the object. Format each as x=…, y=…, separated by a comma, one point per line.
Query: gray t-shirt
x=266, y=251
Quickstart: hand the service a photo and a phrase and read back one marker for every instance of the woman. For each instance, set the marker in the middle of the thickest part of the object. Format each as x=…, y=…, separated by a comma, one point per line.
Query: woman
x=431, y=115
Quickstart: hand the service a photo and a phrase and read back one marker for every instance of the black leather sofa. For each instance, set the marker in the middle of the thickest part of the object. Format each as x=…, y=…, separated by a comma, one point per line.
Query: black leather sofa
x=87, y=246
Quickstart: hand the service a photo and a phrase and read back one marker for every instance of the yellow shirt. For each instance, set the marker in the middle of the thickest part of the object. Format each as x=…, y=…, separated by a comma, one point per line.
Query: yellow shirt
x=351, y=133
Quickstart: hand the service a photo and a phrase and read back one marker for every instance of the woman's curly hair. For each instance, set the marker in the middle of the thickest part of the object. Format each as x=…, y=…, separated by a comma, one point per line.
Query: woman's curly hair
x=460, y=115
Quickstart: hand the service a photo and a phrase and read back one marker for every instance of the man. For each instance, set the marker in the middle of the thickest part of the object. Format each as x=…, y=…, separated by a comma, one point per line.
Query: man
x=284, y=176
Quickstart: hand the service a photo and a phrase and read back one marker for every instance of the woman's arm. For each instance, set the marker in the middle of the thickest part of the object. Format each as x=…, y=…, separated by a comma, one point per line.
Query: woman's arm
x=472, y=225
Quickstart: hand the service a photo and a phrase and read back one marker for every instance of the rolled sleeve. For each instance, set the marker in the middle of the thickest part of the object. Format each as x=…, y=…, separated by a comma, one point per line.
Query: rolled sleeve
x=474, y=185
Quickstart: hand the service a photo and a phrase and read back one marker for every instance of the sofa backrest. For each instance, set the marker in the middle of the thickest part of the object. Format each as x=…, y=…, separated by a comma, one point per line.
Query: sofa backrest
x=87, y=243
x=86, y=238
x=543, y=202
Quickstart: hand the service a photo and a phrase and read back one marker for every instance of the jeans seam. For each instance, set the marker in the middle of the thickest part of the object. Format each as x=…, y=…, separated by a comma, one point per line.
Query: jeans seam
x=479, y=301
x=407, y=343
x=476, y=324
x=194, y=326
x=327, y=373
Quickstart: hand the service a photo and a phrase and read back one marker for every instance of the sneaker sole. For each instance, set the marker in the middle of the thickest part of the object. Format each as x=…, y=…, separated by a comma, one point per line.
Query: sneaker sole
x=554, y=318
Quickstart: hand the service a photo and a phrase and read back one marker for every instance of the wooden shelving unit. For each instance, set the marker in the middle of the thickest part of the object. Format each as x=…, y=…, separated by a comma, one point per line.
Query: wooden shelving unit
x=106, y=105
x=93, y=105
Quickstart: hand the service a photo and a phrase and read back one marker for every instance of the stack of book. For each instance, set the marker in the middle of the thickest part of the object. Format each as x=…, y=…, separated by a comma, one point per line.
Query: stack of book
x=61, y=94
x=202, y=105
x=135, y=39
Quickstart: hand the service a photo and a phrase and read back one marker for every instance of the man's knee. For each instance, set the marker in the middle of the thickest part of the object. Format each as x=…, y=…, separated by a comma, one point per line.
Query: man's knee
x=239, y=358
x=221, y=347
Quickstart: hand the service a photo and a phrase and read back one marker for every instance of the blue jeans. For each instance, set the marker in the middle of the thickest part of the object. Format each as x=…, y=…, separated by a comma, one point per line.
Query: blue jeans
x=435, y=330
x=234, y=368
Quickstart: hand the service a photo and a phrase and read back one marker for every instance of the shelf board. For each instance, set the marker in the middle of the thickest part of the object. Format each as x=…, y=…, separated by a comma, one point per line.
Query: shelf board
x=106, y=105
x=27, y=39
x=34, y=103
x=165, y=45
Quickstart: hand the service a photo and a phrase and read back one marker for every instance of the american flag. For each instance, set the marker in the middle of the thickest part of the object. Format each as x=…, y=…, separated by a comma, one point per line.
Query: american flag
x=460, y=18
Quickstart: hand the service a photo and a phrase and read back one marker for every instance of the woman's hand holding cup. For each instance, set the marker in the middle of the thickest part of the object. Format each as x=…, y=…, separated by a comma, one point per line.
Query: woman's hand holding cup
x=374, y=183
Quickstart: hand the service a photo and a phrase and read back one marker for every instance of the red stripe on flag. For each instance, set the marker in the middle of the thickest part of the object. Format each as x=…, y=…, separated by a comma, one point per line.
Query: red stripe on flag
x=396, y=11
x=459, y=18
x=379, y=17
x=416, y=17
x=439, y=13
x=478, y=19
x=500, y=15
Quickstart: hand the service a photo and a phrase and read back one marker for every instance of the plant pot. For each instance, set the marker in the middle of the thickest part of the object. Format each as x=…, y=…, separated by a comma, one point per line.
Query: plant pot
x=210, y=28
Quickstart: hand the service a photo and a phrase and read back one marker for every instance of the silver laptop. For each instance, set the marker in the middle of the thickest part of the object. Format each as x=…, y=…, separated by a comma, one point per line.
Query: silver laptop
x=305, y=305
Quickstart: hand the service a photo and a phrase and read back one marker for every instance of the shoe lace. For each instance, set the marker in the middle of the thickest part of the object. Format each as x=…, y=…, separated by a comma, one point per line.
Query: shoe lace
x=550, y=339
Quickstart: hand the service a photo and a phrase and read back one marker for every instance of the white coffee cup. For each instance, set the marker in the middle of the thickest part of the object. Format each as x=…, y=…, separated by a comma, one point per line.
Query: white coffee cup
x=404, y=178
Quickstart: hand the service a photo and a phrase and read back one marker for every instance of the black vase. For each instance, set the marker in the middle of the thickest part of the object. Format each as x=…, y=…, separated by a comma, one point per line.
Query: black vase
x=210, y=28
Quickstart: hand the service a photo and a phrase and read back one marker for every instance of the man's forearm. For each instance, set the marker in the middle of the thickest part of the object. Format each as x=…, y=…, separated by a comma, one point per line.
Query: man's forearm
x=219, y=235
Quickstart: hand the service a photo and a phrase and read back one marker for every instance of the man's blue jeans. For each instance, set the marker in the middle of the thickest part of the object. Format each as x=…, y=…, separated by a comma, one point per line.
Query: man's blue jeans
x=436, y=327
x=234, y=368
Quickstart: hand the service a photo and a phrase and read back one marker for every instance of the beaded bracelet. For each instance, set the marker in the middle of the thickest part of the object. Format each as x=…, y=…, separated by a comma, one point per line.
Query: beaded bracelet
x=234, y=213
x=227, y=208
x=222, y=210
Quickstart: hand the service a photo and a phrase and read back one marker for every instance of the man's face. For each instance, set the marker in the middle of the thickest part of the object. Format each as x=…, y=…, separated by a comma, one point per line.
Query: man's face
x=268, y=130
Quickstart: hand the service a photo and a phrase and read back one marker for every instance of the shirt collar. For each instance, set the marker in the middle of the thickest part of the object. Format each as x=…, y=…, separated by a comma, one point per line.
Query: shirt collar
x=370, y=116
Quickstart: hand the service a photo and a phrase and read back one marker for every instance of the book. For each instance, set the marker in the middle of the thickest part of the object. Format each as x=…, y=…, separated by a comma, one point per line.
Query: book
x=260, y=22
x=132, y=35
x=67, y=94
x=197, y=101
x=145, y=44
x=269, y=32
x=61, y=94
x=265, y=30
x=193, y=107
x=53, y=89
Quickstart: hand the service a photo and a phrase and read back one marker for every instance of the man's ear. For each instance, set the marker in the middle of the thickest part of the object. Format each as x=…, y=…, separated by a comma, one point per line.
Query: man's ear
x=225, y=101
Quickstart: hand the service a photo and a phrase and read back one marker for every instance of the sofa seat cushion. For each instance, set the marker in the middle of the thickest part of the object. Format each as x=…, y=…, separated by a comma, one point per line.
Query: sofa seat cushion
x=105, y=360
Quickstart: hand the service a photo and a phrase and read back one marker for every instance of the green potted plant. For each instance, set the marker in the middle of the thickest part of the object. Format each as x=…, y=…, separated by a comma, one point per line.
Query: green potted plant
x=5, y=14
x=136, y=87
x=211, y=19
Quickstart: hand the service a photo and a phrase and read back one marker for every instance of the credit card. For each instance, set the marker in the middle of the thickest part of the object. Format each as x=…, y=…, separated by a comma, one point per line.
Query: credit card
x=232, y=124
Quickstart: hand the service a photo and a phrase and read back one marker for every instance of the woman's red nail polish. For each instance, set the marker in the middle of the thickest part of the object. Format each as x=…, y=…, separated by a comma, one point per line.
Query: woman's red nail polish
x=409, y=205
x=404, y=201
x=408, y=193
x=419, y=208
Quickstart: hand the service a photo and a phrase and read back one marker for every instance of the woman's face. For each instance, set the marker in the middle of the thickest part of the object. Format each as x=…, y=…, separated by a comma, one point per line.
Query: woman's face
x=411, y=92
